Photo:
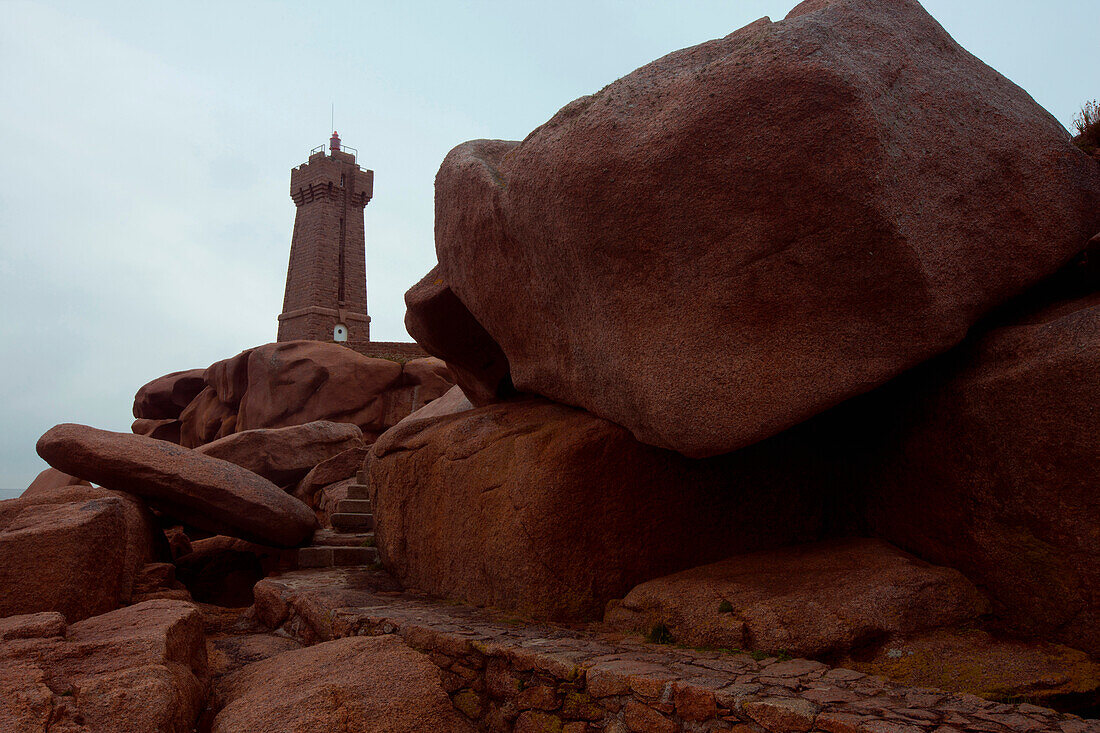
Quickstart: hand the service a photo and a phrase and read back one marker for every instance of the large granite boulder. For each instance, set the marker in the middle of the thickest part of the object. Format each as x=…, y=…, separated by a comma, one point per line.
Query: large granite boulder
x=206, y=492
x=285, y=455
x=812, y=600
x=73, y=549
x=134, y=670
x=300, y=381
x=165, y=397
x=356, y=684
x=744, y=233
x=986, y=461
x=549, y=511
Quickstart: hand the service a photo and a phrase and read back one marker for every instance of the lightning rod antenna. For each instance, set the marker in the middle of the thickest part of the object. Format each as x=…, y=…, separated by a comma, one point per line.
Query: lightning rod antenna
x=332, y=116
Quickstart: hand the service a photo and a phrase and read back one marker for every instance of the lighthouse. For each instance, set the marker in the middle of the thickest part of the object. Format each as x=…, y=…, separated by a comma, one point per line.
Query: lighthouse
x=326, y=280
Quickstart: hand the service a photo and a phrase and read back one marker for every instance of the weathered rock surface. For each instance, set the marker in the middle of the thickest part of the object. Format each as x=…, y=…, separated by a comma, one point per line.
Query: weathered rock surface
x=229, y=378
x=229, y=652
x=205, y=492
x=359, y=685
x=549, y=511
x=158, y=580
x=299, y=381
x=285, y=455
x=165, y=397
x=810, y=600
x=206, y=419
x=134, y=670
x=747, y=232
x=973, y=661
x=986, y=462
x=179, y=543
x=73, y=549
x=439, y=322
x=296, y=382
x=422, y=381
x=48, y=480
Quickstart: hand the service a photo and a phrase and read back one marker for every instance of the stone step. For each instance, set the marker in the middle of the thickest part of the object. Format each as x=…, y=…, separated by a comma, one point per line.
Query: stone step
x=332, y=538
x=361, y=477
x=353, y=506
x=358, y=491
x=328, y=556
x=352, y=522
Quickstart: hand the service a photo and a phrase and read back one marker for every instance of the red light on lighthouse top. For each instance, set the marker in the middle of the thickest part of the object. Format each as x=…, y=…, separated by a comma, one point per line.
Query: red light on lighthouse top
x=334, y=142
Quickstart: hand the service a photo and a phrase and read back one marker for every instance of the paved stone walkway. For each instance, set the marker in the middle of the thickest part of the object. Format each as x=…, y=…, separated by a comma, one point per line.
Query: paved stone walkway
x=510, y=675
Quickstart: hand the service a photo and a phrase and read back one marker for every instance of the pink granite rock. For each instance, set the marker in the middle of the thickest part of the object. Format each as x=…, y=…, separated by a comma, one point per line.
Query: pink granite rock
x=745, y=233
x=547, y=510
x=76, y=551
x=205, y=492
x=356, y=684
x=440, y=323
x=985, y=461
x=206, y=419
x=170, y=429
x=165, y=397
x=138, y=669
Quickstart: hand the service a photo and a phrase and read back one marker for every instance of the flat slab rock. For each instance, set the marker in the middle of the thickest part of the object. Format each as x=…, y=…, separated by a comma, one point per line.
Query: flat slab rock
x=492, y=662
x=807, y=600
x=134, y=670
x=973, y=660
x=207, y=492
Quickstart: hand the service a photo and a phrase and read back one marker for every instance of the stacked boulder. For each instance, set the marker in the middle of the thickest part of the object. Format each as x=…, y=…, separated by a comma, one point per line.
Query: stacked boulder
x=282, y=384
x=819, y=279
x=239, y=462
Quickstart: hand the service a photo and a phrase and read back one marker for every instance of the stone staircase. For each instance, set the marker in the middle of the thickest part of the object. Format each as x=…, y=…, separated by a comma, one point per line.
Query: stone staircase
x=351, y=539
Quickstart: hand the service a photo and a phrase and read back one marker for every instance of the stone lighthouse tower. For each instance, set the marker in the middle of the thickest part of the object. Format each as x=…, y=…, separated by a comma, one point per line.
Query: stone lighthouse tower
x=326, y=282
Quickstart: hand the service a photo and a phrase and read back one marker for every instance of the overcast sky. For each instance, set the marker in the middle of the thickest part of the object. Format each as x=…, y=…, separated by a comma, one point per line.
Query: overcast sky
x=144, y=211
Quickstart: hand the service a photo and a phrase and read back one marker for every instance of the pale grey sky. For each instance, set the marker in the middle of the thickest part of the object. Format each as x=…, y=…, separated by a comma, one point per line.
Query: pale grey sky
x=144, y=211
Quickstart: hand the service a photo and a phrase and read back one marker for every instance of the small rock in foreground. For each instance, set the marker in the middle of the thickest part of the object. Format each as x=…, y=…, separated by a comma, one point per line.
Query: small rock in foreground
x=808, y=600
x=138, y=669
x=356, y=684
